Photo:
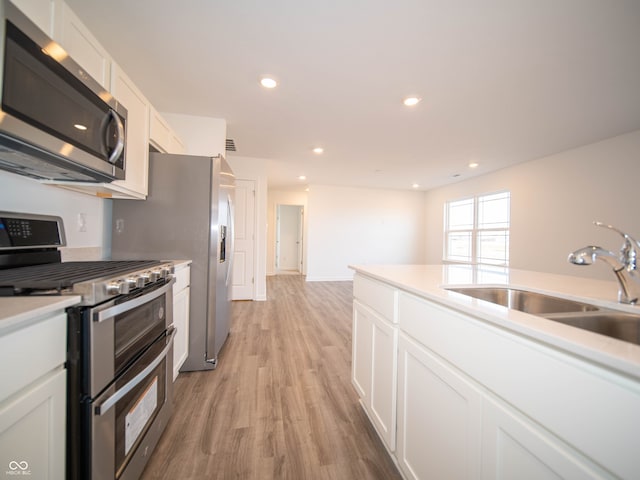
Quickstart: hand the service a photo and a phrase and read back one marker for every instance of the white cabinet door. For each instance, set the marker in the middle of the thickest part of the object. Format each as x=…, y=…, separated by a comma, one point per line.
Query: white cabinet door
x=137, y=150
x=82, y=46
x=40, y=12
x=159, y=132
x=362, y=348
x=384, y=379
x=32, y=430
x=513, y=447
x=161, y=135
x=374, y=367
x=181, y=323
x=181, y=298
x=439, y=417
x=176, y=144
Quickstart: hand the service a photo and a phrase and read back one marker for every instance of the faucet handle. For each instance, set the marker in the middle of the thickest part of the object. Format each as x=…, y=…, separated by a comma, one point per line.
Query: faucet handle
x=629, y=249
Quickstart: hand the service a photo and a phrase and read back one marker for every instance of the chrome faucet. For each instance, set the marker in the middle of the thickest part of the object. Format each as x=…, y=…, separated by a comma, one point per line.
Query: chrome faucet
x=624, y=265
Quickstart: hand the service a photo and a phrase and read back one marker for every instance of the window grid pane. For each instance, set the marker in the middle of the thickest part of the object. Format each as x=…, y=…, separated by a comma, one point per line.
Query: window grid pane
x=493, y=247
x=459, y=246
x=460, y=215
x=493, y=211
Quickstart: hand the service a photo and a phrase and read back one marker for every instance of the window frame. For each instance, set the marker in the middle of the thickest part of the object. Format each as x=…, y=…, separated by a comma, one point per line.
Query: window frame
x=475, y=231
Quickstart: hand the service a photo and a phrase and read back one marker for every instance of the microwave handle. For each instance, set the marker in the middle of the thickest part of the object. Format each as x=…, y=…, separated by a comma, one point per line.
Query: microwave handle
x=117, y=151
x=105, y=406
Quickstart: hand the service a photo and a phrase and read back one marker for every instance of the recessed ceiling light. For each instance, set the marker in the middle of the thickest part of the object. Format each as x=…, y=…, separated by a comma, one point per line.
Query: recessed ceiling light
x=79, y=126
x=473, y=164
x=268, y=82
x=302, y=177
x=411, y=101
x=415, y=185
x=318, y=150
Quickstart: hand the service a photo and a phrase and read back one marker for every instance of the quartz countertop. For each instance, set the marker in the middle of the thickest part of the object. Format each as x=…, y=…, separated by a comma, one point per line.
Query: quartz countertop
x=18, y=312
x=430, y=281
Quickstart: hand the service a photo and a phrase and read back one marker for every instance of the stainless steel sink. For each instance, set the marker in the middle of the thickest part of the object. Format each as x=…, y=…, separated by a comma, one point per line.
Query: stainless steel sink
x=525, y=301
x=620, y=325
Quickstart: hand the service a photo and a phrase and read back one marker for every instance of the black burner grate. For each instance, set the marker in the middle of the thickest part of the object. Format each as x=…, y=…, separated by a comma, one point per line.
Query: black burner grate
x=61, y=276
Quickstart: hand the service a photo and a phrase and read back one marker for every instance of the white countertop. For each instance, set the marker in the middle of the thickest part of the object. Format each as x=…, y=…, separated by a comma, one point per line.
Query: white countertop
x=18, y=312
x=180, y=264
x=429, y=282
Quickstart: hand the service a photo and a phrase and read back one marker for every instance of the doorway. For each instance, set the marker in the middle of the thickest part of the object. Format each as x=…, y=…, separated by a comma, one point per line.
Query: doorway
x=289, y=223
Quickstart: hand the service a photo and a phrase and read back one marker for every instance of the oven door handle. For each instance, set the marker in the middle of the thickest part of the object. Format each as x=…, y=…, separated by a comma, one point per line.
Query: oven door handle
x=110, y=312
x=105, y=406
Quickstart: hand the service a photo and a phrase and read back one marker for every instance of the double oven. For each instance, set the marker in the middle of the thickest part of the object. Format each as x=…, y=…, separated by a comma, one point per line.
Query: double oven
x=120, y=382
x=120, y=345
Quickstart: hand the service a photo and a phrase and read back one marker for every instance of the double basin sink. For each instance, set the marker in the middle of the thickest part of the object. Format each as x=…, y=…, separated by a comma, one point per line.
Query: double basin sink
x=612, y=323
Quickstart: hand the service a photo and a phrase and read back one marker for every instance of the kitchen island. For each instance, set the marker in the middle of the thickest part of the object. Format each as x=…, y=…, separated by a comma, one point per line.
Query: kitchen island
x=462, y=388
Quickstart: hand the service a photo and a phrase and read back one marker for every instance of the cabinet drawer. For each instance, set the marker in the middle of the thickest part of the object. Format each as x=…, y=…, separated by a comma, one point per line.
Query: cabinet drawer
x=380, y=297
x=183, y=279
x=34, y=351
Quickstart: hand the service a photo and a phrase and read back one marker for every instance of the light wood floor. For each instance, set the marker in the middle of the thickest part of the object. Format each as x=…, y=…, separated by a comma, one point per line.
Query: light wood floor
x=280, y=405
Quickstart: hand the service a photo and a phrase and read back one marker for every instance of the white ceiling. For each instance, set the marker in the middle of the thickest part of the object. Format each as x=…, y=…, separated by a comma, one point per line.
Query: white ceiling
x=502, y=81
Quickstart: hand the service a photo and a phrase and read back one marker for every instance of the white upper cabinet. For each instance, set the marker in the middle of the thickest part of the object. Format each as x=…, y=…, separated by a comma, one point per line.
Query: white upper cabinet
x=40, y=12
x=161, y=135
x=177, y=146
x=82, y=46
x=137, y=149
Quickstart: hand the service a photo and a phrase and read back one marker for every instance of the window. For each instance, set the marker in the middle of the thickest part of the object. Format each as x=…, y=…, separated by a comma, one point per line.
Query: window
x=476, y=229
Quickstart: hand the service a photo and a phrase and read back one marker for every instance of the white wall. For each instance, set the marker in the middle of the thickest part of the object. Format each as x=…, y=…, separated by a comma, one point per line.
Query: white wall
x=22, y=194
x=362, y=226
x=255, y=169
x=554, y=201
x=277, y=197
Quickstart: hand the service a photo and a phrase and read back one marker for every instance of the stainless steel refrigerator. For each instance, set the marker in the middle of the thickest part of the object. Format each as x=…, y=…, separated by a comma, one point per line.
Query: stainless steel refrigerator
x=188, y=214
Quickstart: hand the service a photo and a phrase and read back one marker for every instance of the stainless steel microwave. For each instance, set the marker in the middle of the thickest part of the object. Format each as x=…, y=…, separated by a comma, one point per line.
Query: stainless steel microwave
x=56, y=122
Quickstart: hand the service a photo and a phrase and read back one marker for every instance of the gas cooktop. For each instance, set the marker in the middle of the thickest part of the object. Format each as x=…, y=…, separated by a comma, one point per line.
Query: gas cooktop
x=30, y=264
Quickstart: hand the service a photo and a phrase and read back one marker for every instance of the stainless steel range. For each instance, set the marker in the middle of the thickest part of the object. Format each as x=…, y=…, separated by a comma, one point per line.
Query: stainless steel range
x=120, y=344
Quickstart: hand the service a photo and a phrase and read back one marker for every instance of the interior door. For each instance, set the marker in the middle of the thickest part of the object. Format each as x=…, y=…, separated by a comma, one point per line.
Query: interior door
x=244, y=244
x=288, y=238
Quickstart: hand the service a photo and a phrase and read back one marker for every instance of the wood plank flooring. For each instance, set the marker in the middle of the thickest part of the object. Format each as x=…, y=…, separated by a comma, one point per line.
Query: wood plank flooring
x=280, y=405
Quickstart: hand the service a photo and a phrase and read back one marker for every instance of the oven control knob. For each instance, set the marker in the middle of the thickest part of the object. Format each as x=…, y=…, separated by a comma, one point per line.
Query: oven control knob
x=154, y=276
x=131, y=282
x=145, y=277
x=117, y=288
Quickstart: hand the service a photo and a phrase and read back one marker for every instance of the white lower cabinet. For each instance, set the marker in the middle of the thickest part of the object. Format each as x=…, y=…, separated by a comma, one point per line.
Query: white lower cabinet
x=374, y=369
x=362, y=346
x=479, y=402
x=181, y=296
x=32, y=430
x=514, y=447
x=33, y=397
x=439, y=417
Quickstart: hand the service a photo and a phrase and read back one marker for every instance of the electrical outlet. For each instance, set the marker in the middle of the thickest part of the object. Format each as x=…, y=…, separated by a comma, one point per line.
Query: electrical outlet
x=82, y=222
